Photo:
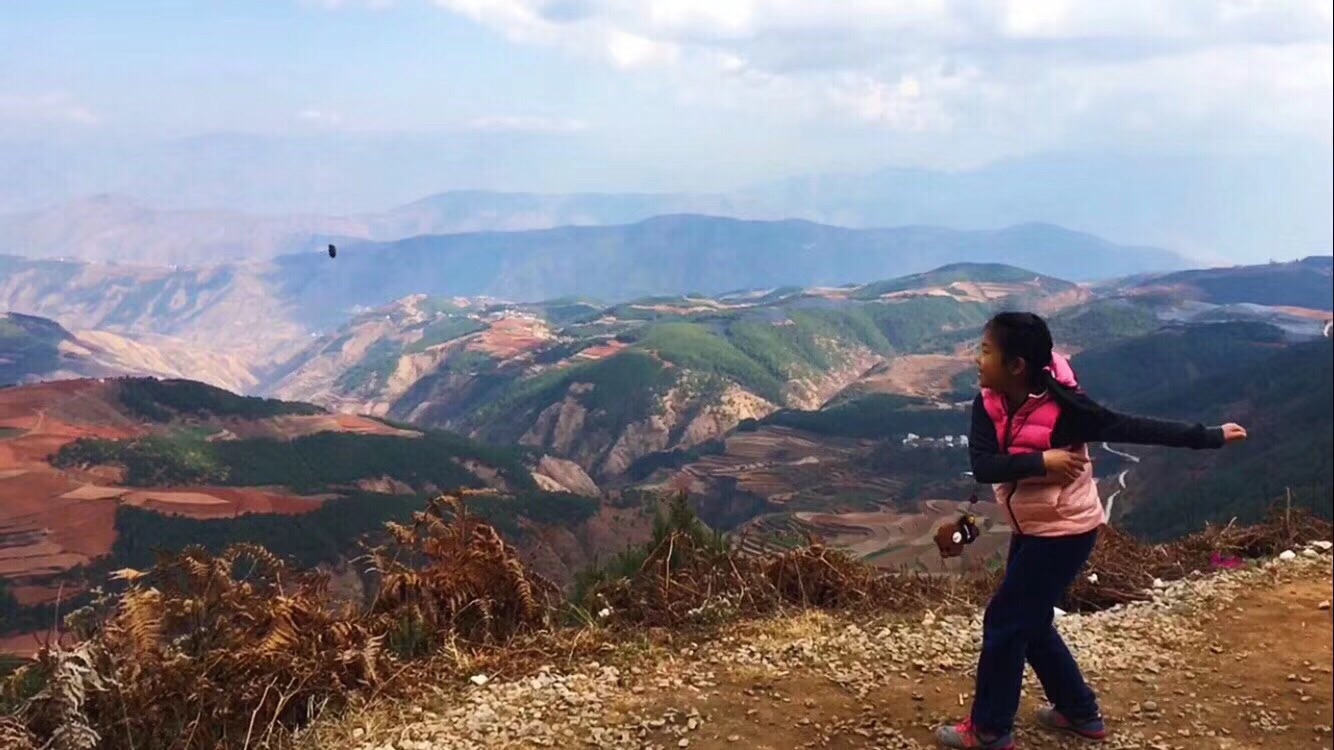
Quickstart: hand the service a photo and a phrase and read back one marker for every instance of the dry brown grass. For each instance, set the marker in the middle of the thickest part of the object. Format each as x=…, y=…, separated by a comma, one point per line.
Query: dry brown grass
x=686, y=577
x=235, y=650
x=232, y=650
x=15, y=736
x=1126, y=568
x=204, y=651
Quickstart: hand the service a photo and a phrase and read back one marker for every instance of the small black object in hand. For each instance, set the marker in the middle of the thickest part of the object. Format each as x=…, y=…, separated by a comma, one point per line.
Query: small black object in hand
x=952, y=538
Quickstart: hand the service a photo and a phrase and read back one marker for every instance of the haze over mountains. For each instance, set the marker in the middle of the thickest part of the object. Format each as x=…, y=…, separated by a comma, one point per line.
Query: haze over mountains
x=253, y=209
x=265, y=311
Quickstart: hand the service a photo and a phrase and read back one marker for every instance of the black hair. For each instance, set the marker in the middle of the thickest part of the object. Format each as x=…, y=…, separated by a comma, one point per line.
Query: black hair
x=1026, y=335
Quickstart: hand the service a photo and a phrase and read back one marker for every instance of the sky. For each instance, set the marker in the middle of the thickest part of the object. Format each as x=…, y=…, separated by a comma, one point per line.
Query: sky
x=660, y=95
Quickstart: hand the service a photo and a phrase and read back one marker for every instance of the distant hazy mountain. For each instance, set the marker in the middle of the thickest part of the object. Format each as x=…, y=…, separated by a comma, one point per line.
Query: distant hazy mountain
x=676, y=254
x=480, y=211
x=116, y=229
x=244, y=197
x=1213, y=208
x=264, y=312
x=108, y=228
x=258, y=310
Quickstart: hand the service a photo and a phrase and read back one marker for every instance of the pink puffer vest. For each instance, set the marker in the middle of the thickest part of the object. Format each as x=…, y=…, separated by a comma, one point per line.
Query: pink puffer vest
x=1037, y=507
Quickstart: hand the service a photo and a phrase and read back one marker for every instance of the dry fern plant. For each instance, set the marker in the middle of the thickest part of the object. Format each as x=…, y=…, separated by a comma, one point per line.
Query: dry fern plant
x=448, y=575
x=205, y=651
x=15, y=736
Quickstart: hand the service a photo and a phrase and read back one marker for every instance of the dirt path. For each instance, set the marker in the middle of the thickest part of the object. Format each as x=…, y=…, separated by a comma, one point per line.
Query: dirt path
x=1241, y=660
x=1261, y=679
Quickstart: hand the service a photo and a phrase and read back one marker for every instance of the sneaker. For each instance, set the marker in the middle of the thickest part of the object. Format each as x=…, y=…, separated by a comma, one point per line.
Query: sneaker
x=1089, y=729
x=966, y=737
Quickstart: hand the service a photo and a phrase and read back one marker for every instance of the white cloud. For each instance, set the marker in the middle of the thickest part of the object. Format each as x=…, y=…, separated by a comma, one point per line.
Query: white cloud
x=899, y=105
x=55, y=108
x=998, y=71
x=320, y=117
x=340, y=4
x=526, y=124
x=634, y=51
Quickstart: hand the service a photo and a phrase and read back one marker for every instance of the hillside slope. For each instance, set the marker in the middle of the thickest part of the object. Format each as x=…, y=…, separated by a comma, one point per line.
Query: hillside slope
x=96, y=475
x=1138, y=368
x=34, y=349
x=629, y=389
x=1285, y=401
x=606, y=385
x=1298, y=283
x=229, y=310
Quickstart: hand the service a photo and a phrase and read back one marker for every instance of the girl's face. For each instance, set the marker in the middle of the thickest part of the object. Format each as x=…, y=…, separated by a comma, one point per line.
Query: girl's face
x=992, y=369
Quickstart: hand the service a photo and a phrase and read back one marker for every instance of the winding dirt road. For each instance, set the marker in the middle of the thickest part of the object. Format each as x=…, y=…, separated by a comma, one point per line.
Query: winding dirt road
x=1120, y=479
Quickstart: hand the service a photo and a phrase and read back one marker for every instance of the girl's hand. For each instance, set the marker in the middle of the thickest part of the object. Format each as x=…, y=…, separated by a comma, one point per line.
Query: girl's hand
x=1064, y=465
x=1233, y=433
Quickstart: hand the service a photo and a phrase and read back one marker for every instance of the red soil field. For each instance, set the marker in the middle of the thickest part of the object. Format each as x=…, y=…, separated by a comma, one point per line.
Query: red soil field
x=510, y=336
x=52, y=520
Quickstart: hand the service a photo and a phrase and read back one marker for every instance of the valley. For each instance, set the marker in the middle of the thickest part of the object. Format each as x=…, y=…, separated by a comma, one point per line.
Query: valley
x=789, y=413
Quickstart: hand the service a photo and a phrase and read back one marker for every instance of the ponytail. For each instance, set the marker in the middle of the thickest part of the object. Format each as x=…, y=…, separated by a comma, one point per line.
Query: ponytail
x=1069, y=398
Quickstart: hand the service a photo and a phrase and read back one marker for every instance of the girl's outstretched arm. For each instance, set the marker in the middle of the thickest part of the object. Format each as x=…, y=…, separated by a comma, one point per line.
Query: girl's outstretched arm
x=1095, y=423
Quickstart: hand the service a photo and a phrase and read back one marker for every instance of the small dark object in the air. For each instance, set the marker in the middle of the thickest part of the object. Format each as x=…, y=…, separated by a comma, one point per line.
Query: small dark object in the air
x=333, y=252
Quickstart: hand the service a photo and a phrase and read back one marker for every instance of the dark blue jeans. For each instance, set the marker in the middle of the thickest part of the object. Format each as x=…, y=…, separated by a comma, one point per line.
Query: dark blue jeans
x=1018, y=627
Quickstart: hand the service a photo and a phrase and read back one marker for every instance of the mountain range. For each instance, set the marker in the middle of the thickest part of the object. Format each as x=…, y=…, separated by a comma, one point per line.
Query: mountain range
x=266, y=312
x=609, y=385
x=237, y=187
x=832, y=411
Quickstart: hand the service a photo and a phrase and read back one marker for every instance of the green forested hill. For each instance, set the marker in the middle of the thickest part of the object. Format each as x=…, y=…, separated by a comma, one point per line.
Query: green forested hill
x=1285, y=402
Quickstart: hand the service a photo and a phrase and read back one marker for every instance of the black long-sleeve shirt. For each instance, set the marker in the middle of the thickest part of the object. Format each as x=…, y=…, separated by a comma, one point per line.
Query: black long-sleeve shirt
x=992, y=466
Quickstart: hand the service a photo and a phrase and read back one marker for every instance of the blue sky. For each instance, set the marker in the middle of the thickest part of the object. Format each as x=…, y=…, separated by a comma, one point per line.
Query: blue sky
x=661, y=94
x=945, y=83
x=266, y=66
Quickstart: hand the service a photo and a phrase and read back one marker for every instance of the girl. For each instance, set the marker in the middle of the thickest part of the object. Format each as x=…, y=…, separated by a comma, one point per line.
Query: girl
x=1030, y=428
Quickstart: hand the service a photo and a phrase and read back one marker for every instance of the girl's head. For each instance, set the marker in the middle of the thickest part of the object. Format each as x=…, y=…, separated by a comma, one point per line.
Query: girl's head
x=1016, y=347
